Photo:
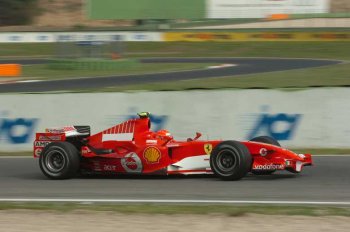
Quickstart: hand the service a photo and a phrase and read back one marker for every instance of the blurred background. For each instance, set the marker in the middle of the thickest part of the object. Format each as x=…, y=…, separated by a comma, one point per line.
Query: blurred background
x=273, y=67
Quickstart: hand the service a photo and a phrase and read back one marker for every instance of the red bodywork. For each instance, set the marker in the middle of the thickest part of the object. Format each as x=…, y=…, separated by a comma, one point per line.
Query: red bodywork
x=131, y=147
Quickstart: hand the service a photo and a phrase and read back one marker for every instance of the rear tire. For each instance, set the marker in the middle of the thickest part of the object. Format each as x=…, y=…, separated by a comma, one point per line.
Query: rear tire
x=267, y=140
x=59, y=160
x=230, y=160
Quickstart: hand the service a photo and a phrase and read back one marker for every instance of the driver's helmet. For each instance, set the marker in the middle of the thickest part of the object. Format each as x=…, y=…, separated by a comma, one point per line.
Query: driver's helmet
x=164, y=133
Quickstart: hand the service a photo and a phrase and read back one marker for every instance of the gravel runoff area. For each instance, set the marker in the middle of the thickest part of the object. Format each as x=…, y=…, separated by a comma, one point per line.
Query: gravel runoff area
x=34, y=221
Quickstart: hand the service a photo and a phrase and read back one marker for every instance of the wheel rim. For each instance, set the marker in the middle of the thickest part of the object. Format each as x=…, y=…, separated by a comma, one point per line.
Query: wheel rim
x=226, y=161
x=55, y=161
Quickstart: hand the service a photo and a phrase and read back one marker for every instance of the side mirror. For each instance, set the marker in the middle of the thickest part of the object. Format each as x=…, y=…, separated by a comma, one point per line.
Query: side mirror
x=168, y=139
x=198, y=135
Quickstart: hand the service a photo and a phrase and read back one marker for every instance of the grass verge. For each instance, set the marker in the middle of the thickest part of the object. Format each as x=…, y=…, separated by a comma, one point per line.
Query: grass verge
x=325, y=50
x=43, y=72
x=328, y=76
x=229, y=210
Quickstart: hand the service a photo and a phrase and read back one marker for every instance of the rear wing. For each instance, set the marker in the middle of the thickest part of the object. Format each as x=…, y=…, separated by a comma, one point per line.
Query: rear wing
x=44, y=139
x=58, y=134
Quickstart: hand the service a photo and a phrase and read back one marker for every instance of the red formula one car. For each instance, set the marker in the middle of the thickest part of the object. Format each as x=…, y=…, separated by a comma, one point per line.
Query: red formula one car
x=131, y=147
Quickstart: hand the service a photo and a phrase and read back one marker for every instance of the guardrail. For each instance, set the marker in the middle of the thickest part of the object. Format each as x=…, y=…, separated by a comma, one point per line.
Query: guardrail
x=255, y=36
x=52, y=37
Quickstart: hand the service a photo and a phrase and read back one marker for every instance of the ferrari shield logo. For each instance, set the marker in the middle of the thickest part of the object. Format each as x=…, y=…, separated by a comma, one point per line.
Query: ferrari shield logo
x=208, y=148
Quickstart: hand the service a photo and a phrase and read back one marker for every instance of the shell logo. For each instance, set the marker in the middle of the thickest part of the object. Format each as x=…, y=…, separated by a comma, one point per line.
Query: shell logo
x=151, y=155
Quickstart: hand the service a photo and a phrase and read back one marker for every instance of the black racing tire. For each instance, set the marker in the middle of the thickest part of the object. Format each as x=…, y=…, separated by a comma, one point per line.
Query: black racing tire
x=230, y=160
x=268, y=140
x=59, y=160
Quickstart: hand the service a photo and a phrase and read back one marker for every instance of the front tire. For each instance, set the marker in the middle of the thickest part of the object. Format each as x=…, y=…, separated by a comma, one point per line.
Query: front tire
x=59, y=160
x=230, y=160
x=267, y=140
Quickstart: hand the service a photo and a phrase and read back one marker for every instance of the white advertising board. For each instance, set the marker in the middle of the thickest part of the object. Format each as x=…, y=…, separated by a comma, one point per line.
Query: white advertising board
x=51, y=37
x=309, y=118
x=263, y=8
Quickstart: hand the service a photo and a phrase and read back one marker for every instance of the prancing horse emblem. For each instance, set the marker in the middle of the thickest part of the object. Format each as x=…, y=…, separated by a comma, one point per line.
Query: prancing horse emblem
x=208, y=148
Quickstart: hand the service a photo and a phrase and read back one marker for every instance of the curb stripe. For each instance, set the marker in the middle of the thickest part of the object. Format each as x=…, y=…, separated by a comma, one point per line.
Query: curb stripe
x=73, y=200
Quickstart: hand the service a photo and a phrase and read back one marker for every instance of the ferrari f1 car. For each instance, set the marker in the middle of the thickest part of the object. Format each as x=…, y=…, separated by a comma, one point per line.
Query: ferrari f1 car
x=132, y=148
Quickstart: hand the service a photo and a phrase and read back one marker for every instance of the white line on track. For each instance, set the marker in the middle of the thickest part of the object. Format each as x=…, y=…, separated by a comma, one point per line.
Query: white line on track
x=221, y=66
x=28, y=81
x=73, y=200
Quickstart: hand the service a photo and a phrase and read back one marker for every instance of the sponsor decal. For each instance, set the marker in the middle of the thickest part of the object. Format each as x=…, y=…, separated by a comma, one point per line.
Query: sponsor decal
x=96, y=166
x=38, y=151
x=141, y=37
x=50, y=137
x=16, y=130
x=209, y=36
x=268, y=167
x=288, y=163
x=273, y=35
x=263, y=151
x=208, y=148
x=15, y=38
x=132, y=163
x=280, y=126
x=152, y=155
x=109, y=168
x=151, y=141
x=330, y=36
x=54, y=131
x=41, y=143
x=298, y=166
x=118, y=37
x=60, y=130
x=42, y=38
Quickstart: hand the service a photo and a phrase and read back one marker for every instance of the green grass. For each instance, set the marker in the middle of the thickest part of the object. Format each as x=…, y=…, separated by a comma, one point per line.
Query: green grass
x=326, y=50
x=43, y=72
x=14, y=154
x=322, y=15
x=229, y=210
x=335, y=75
x=323, y=50
x=26, y=49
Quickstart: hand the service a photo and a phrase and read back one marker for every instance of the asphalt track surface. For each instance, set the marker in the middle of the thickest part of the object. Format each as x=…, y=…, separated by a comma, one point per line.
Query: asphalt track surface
x=327, y=181
x=243, y=66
